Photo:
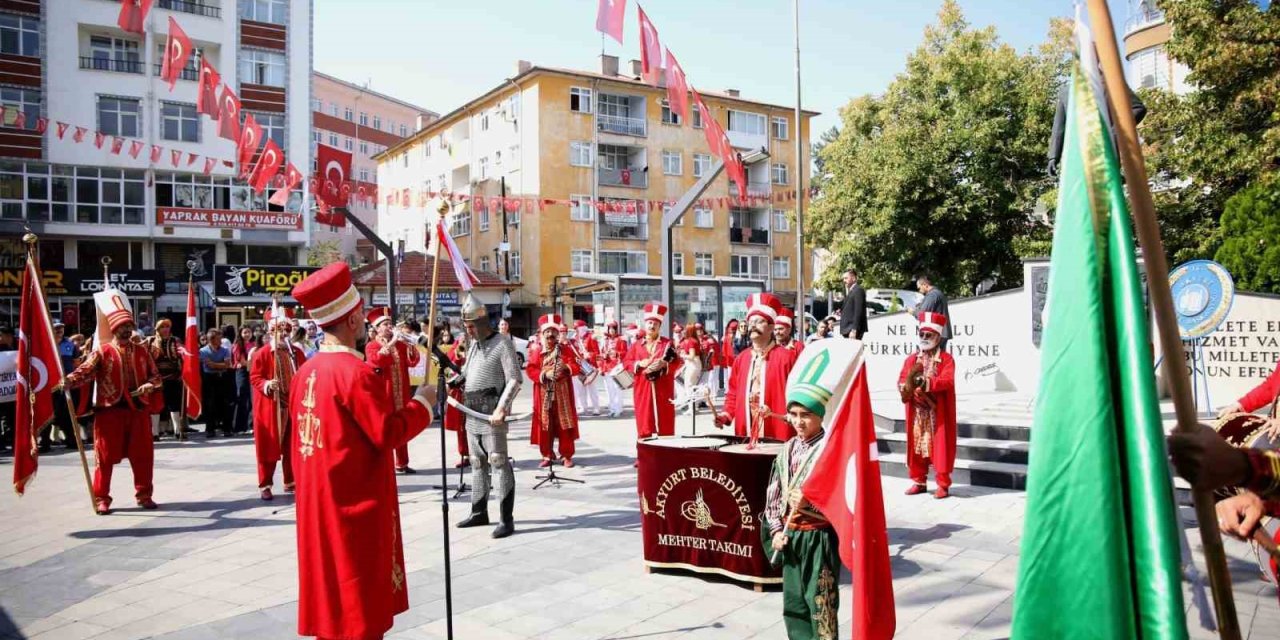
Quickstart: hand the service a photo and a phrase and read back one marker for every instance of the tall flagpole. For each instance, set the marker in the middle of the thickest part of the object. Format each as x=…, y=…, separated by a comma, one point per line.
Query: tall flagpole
x=1175, y=367
x=441, y=211
x=799, y=188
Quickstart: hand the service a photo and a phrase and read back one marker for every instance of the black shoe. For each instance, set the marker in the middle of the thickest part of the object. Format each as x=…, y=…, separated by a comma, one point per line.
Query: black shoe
x=479, y=515
x=406, y=470
x=506, y=508
x=503, y=530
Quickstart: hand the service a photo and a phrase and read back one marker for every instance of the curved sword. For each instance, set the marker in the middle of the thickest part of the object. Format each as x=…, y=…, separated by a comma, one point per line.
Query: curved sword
x=453, y=402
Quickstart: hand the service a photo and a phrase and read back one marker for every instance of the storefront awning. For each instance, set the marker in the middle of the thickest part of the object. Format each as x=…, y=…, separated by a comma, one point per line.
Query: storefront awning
x=250, y=301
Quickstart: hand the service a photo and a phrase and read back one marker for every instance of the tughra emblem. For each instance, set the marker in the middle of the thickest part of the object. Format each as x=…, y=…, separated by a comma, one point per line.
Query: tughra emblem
x=697, y=512
x=309, y=437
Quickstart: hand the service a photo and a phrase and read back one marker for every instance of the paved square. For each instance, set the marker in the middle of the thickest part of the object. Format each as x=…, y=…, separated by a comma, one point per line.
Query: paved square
x=215, y=562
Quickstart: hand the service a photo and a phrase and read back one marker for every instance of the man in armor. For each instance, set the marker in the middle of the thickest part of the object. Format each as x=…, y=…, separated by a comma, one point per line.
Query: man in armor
x=492, y=379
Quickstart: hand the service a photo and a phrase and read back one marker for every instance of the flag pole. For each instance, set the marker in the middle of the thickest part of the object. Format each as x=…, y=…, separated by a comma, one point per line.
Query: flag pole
x=431, y=349
x=1142, y=209
x=31, y=239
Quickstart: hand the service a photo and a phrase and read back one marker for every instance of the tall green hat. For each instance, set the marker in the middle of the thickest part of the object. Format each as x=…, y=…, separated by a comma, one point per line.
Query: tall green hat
x=823, y=371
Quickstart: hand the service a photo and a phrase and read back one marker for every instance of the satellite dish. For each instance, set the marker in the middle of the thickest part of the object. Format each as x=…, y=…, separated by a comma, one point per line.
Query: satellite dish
x=1203, y=292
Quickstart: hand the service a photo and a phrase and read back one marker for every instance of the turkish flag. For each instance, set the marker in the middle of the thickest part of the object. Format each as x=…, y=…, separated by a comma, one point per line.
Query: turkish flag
x=177, y=51
x=62, y=129
x=247, y=144
x=78, y=136
x=135, y=147
x=291, y=179
x=117, y=143
x=677, y=87
x=708, y=128
x=650, y=50
x=42, y=124
x=155, y=153
x=845, y=486
x=229, y=115
x=20, y=120
x=333, y=166
x=133, y=15
x=39, y=370
x=330, y=216
x=191, y=158
x=268, y=165
x=207, y=97
x=609, y=18
x=191, y=357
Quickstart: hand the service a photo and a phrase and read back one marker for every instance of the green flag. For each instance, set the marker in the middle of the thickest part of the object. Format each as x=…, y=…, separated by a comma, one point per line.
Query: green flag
x=1099, y=552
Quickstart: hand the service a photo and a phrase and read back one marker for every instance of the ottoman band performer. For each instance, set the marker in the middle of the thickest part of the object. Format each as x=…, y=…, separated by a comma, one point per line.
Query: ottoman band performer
x=351, y=576
x=650, y=358
x=492, y=380
x=587, y=352
x=784, y=331
x=690, y=350
x=797, y=534
x=756, y=399
x=393, y=357
x=271, y=372
x=611, y=355
x=551, y=366
x=125, y=378
x=927, y=386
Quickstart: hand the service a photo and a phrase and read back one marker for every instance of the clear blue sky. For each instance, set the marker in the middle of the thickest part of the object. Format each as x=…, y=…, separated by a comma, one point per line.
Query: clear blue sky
x=440, y=53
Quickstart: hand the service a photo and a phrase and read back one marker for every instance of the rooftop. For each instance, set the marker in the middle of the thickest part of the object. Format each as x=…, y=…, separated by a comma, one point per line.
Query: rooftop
x=371, y=92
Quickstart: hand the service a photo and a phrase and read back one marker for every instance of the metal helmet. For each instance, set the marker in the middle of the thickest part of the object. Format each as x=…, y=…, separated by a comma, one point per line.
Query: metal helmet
x=473, y=311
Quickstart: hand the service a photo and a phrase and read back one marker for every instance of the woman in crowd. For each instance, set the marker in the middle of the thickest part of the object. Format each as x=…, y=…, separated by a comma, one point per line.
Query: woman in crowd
x=241, y=412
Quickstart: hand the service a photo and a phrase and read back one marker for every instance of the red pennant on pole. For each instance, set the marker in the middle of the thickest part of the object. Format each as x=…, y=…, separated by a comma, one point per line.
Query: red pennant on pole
x=610, y=14
x=268, y=165
x=177, y=51
x=677, y=88
x=229, y=114
x=207, y=96
x=650, y=50
x=247, y=143
x=133, y=15
x=332, y=168
x=38, y=374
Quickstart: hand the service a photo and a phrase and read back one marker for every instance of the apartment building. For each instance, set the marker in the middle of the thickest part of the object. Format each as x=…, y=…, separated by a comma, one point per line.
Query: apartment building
x=1146, y=35
x=564, y=142
x=69, y=62
x=348, y=116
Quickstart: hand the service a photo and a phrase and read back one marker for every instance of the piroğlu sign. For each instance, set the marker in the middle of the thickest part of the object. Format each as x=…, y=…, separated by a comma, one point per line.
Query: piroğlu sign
x=261, y=281
x=228, y=218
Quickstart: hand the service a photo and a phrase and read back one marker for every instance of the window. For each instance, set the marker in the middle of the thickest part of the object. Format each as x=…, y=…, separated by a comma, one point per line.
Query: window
x=267, y=68
x=580, y=154
x=513, y=217
x=483, y=213
x=391, y=126
x=333, y=139
x=113, y=54
x=514, y=154
x=461, y=222
x=782, y=267
x=703, y=264
x=515, y=269
x=672, y=163
x=348, y=144
x=404, y=131
x=701, y=164
x=697, y=116
x=779, y=172
x=40, y=192
x=624, y=262
x=677, y=264
x=745, y=122
x=364, y=175
x=484, y=263
x=179, y=122
x=703, y=218
x=316, y=136
x=317, y=105
x=497, y=159
x=580, y=208
x=780, y=128
x=265, y=10
x=484, y=122
x=404, y=157
x=364, y=119
x=272, y=126
x=669, y=116
x=119, y=116
x=426, y=150
x=377, y=122
x=780, y=220
x=741, y=266
x=580, y=261
x=333, y=109
x=580, y=99
x=348, y=114
x=211, y=192
x=484, y=168
x=364, y=148
x=1150, y=68
x=14, y=100
x=19, y=36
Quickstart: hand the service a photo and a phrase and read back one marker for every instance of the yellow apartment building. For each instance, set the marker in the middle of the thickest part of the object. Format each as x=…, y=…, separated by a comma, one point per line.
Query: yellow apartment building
x=563, y=141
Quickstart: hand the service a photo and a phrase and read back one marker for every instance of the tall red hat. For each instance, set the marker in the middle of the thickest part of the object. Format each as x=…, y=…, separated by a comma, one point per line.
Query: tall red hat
x=328, y=295
x=786, y=317
x=113, y=308
x=765, y=305
x=579, y=324
x=378, y=315
x=655, y=311
x=282, y=314
x=549, y=321
x=934, y=322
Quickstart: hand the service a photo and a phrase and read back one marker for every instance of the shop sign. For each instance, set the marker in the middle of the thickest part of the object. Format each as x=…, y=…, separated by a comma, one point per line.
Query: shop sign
x=257, y=280
x=228, y=218
x=146, y=283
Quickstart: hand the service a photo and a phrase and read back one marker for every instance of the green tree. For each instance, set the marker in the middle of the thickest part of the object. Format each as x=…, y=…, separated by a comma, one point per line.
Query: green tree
x=325, y=252
x=1250, y=227
x=940, y=174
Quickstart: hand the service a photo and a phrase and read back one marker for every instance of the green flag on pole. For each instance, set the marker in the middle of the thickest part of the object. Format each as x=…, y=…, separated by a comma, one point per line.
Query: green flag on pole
x=1100, y=552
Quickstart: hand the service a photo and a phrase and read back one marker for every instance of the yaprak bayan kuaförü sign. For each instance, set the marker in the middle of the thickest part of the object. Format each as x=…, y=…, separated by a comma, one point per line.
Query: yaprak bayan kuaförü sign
x=228, y=218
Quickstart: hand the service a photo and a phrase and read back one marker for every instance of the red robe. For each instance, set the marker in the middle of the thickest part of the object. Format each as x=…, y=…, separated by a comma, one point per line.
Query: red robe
x=454, y=418
x=394, y=368
x=796, y=346
x=778, y=364
x=588, y=351
x=942, y=388
x=611, y=355
x=644, y=390
x=710, y=352
x=268, y=438
x=351, y=578
x=1263, y=394
x=562, y=415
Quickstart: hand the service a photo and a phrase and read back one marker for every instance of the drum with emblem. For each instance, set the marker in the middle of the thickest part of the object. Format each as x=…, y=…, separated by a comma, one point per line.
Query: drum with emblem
x=623, y=378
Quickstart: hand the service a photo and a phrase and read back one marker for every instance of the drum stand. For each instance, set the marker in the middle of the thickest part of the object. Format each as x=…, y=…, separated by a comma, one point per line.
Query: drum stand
x=551, y=478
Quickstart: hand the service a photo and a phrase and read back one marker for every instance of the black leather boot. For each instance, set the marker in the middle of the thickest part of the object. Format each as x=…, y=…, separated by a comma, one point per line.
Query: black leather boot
x=506, y=524
x=479, y=514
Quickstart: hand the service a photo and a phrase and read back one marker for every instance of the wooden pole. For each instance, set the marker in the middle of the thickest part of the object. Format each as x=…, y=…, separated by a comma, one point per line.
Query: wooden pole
x=31, y=241
x=1175, y=366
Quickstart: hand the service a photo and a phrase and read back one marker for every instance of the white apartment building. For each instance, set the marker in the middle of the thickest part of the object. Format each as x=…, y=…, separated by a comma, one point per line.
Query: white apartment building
x=68, y=61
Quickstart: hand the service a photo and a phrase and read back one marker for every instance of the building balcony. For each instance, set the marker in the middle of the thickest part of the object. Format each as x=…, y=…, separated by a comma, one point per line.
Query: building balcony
x=635, y=178
x=1143, y=18
x=186, y=73
x=622, y=125
x=195, y=8
x=623, y=226
x=110, y=64
x=747, y=235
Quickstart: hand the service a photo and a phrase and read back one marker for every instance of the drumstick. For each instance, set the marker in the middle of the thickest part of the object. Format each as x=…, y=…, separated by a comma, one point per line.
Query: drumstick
x=1263, y=540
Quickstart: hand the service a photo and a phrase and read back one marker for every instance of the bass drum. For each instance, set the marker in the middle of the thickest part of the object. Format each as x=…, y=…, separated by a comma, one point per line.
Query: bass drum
x=1247, y=430
x=622, y=377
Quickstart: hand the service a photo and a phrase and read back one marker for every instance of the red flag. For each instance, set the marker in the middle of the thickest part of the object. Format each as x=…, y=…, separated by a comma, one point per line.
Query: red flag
x=713, y=140
x=247, y=143
x=208, y=165
x=229, y=114
x=207, y=97
x=135, y=147
x=191, y=357
x=133, y=15
x=291, y=179
x=650, y=50
x=117, y=143
x=466, y=277
x=177, y=51
x=98, y=139
x=610, y=15
x=155, y=153
x=175, y=156
x=845, y=486
x=191, y=158
x=677, y=88
x=62, y=129
x=332, y=168
x=39, y=371
x=330, y=216
x=268, y=165
x=78, y=136
x=42, y=124
x=20, y=120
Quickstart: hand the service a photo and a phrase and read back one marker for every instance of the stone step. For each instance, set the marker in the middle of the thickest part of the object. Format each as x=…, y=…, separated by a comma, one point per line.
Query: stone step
x=982, y=430
x=976, y=449
x=1000, y=475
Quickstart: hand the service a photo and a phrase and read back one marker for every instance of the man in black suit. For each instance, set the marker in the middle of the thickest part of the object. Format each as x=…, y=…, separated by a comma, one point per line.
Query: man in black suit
x=934, y=301
x=853, y=312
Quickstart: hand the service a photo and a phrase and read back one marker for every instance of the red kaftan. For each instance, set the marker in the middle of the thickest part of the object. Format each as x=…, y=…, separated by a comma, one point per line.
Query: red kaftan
x=394, y=368
x=1263, y=394
x=267, y=435
x=942, y=388
x=778, y=365
x=644, y=390
x=562, y=415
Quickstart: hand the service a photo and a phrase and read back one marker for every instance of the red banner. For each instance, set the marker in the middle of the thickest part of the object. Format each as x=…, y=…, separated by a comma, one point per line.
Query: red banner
x=700, y=509
x=227, y=218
